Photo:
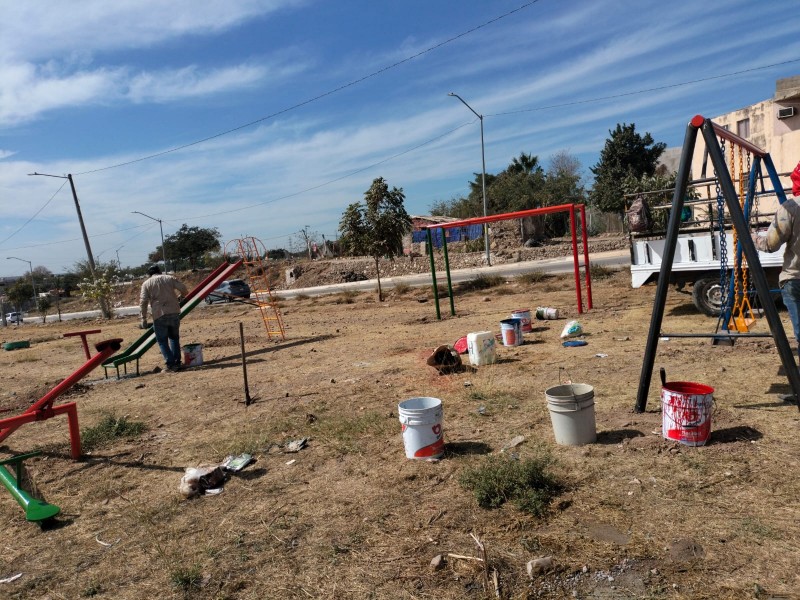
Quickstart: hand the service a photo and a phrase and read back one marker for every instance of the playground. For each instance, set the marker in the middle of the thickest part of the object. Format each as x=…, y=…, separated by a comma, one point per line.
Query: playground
x=348, y=516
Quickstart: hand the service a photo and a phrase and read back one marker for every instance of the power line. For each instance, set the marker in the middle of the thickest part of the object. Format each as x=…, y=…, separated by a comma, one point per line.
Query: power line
x=36, y=214
x=644, y=91
x=319, y=96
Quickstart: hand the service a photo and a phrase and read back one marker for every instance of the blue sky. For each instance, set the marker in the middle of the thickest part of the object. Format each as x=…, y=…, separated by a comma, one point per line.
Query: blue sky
x=319, y=98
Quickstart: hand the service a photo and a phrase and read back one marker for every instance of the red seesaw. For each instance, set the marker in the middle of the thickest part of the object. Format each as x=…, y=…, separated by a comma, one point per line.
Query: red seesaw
x=43, y=409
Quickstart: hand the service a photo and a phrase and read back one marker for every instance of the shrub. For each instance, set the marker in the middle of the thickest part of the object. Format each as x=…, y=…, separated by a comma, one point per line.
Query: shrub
x=109, y=429
x=481, y=282
x=533, y=277
x=600, y=272
x=528, y=483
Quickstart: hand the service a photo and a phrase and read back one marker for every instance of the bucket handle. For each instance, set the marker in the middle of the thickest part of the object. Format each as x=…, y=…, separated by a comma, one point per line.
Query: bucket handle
x=571, y=388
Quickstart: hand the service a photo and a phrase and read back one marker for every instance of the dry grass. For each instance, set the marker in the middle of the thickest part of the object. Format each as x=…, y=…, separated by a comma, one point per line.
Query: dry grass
x=350, y=517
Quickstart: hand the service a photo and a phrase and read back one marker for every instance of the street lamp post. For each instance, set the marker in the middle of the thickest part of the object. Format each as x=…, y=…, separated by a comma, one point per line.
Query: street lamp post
x=483, y=177
x=119, y=264
x=33, y=283
x=163, y=247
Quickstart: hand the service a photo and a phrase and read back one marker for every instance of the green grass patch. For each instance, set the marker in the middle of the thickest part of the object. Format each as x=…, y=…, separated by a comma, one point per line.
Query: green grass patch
x=346, y=434
x=109, y=429
x=186, y=579
x=527, y=483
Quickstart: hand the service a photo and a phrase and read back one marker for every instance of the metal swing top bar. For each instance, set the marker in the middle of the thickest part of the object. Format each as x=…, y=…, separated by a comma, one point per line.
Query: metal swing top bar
x=711, y=132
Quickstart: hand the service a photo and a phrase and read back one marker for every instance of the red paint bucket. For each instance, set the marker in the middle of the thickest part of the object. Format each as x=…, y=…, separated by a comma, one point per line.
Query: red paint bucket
x=686, y=409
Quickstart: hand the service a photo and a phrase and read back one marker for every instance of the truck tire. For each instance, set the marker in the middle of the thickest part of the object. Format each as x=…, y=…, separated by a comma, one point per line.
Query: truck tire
x=707, y=296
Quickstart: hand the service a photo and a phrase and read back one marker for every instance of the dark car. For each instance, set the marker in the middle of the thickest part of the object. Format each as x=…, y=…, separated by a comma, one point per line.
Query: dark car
x=229, y=291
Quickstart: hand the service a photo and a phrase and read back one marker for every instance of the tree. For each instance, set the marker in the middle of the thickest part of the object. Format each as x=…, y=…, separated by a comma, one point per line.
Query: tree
x=43, y=304
x=19, y=293
x=625, y=153
x=188, y=244
x=376, y=228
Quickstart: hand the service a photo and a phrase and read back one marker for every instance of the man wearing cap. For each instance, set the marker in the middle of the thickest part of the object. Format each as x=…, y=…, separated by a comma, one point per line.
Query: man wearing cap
x=785, y=229
x=163, y=293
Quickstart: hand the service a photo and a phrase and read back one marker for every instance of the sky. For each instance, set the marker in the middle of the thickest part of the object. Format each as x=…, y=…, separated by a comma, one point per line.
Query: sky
x=267, y=117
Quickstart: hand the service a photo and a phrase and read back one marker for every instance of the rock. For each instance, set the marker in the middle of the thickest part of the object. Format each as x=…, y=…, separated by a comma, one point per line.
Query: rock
x=438, y=562
x=540, y=565
x=515, y=441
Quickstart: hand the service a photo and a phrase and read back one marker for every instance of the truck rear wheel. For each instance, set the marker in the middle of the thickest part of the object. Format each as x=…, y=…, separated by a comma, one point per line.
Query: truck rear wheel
x=707, y=296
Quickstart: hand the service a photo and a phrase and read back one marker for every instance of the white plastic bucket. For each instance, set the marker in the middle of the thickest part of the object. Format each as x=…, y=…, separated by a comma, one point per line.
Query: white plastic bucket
x=511, y=332
x=686, y=412
x=481, y=348
x=524, y=315
x=572, y=413
x=421, y=420
x=545, y=312
x=193, y=355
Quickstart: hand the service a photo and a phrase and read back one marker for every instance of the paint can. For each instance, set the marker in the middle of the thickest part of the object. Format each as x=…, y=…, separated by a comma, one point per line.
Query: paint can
x=571, y=409
x=525, y=315
x=686, y=409
x=511, y=332
x=421, y=420
x=546, y=313
x=481, y=348
x=192, y=355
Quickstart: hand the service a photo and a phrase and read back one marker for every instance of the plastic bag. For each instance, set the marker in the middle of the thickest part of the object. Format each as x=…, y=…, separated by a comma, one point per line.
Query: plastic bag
x=638, y=216
x=571, y=329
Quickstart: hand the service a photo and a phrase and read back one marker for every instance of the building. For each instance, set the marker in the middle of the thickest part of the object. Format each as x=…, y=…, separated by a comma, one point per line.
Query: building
x=773, y=125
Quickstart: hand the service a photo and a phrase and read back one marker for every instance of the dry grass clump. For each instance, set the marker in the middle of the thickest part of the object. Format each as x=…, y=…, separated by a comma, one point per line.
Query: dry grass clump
x=481, y=282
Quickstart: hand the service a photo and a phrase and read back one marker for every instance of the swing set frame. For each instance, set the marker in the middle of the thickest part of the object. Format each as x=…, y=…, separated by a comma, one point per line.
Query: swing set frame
x=711, y=132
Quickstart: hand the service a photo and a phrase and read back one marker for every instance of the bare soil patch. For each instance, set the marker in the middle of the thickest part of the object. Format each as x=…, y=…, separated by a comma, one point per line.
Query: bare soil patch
x=349, y=516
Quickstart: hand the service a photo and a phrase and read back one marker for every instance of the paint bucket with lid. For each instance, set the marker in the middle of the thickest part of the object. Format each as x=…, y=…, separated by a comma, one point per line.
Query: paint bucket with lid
x=511, y=332
x=546, y=313
x=481, y=348
x=686, y=409
x=571, y=409
x=421, y=420
x=193, y=355
x=523, y=314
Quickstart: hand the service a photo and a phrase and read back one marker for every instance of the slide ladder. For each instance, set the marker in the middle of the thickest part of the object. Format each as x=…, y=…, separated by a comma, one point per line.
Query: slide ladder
x=137, y=349
x=254, y=257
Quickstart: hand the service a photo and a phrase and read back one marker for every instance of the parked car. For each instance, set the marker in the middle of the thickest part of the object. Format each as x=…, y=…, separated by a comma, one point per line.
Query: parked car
x=14, y=317
x=227, y=291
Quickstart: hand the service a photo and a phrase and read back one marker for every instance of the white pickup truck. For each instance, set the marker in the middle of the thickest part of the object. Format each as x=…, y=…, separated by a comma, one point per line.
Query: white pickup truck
x=696, y=263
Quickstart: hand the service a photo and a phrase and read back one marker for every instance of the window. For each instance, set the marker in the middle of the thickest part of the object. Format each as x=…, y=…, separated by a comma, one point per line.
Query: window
x=743, y=128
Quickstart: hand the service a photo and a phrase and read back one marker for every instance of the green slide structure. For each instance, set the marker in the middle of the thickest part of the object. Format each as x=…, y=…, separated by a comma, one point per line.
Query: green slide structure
x=137, y=349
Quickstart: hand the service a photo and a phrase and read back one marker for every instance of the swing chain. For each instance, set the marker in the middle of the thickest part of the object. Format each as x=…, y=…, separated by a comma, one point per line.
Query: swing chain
x=723, y=243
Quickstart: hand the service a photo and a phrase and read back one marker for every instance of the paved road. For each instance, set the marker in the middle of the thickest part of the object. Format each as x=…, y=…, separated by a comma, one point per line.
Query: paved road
x=612, y=259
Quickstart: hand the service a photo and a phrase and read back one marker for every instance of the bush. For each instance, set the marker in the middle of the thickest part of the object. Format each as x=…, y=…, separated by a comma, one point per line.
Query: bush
x=528, y=484
x=533, y=277
x=600, y=272
x=481, y=282
x=109, y=429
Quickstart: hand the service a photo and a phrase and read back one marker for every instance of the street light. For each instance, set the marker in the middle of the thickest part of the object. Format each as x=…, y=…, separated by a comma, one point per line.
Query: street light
x=483, y=177
x=30, y=266
x=119, y=264
x=163, y=248
x=89, y=254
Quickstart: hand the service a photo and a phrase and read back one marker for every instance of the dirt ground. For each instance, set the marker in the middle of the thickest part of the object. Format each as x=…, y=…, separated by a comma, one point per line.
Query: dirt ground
x=349, y=516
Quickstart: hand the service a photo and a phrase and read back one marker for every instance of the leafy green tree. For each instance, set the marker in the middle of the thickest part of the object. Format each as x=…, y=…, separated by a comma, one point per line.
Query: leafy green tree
x=625, y=153
x=376, y=227
x=20, y=293
x=188, y=244
x=43, y=305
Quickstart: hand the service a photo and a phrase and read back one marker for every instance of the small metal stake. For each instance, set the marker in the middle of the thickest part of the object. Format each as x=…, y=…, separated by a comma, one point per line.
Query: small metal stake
x=247, y=399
